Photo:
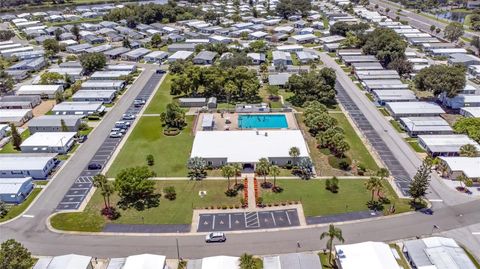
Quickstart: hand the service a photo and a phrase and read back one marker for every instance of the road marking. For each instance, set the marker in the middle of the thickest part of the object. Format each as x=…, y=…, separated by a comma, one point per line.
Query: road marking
x=229, y=221
x=288, y=218
x=28, y=216
x=213, y=223
x=273, y=218
x=435, y=200
x=476, y=233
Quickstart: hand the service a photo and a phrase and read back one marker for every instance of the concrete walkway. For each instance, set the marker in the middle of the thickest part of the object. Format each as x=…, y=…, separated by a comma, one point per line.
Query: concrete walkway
x=252, y=204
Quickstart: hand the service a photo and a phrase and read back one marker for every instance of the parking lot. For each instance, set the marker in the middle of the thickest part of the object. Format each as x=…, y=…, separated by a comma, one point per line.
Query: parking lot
x=82, y=185
x=402, y=179
x=248, y=220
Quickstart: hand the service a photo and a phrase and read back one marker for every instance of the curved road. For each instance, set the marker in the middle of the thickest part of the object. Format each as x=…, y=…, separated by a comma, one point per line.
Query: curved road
x=33, y=232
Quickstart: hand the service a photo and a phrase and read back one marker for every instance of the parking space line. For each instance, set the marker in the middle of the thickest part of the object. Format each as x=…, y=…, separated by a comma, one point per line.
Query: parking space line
x=273, y=218
x=288, y=218
x=213, y=223
x=229, y=221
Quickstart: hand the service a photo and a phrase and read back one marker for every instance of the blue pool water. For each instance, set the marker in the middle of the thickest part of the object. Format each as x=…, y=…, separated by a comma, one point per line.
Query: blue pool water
x=261, y=121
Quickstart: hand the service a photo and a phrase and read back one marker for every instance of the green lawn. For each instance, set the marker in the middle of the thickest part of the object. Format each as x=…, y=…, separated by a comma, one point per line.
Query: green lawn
x=357, y=151
x=317, y=201
x=162, y=97
x=384, y=111
x=414, y=144
x=397, y=126
x=179, y=211
x=85, y=20
x=171, y=153
x=16, y=210
x=8, y=148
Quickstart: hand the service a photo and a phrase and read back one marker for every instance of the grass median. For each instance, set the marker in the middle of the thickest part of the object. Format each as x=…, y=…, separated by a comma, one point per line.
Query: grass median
x=15, y=210
x=179, y=211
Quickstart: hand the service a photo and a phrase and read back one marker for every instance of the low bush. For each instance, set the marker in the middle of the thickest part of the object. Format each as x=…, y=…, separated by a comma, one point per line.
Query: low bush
x=171, y=131
x=170, y=193
x=277, y=189
x=266, y=185
x=110, y=212
x=231, y=192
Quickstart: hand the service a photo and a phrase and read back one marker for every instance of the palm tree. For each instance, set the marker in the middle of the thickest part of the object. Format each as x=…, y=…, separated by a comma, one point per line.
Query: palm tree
x=442, y=168
x=237, y=169
x=464, y=180
x=294, y=152
x=274, y=171
x=263, y=167
x=99, y=181
x=332, y=234
x=227, y=171
x=383, y=173
x=373, y=184
x=107, y=191
x=468, y=150
x=247, y=261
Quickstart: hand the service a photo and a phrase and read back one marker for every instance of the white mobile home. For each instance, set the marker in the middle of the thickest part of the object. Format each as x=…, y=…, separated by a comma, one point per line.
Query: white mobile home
x=35, y=165
x=43, y=90
x=48, y=142
x=445, y=145
x=413, y=109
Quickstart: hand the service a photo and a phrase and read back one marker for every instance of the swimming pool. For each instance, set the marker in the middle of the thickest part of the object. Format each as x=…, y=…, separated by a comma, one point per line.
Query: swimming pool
x=262, y=121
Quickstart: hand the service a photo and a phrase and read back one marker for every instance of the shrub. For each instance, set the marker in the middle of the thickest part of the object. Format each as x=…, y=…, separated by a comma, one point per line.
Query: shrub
x=266, y=185
x=375, y=205
x=243, y=202
x=331, y=184
x=344, y=165
x=171, y=131
x=170, y=193
x=224, y=207
x=150, y=160
x=259, y=200
x=277, y=189
x=239, y=186
x=231, y=192
x=111, y=213
x=361, y=169
x=289, y=166
x=384, y=200
x=93, y=117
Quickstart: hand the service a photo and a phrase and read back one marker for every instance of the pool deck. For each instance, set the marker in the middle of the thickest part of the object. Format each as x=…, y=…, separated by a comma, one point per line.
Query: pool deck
x=221, y=125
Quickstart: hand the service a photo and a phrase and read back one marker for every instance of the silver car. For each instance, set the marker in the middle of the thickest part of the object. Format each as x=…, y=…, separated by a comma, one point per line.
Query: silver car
x=115, y=135
x=215, y=237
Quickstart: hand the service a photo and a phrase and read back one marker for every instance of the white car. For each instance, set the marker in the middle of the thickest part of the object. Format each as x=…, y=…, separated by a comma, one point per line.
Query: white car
x=128, y=117
x=215, y=237
x=115, y=135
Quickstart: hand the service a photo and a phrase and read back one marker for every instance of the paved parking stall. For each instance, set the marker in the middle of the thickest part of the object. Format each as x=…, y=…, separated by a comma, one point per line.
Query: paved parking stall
x=401, y=177
x=237, y=221
x=79, y=190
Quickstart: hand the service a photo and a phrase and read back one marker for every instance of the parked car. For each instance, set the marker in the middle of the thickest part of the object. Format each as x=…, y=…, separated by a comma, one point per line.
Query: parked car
x=94, y=166
x=116, y=135
x=160, y=71
x=122, y=124
x=215, y=237
x=128, y=117
x=118, y=130
x=82, y=138
x=138, y=102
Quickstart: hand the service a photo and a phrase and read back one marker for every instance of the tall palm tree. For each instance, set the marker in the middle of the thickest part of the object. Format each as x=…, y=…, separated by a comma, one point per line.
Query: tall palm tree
x=237, y=169
x=468, y=150
x=373, y=184
x=247, y=261
x=274, y=171
x=263, y=167
x=227, y=171
x=464, y=180
x=442, y=168
x=107, y=191
x=294, y=152
x=99, y=181
x=332, y=234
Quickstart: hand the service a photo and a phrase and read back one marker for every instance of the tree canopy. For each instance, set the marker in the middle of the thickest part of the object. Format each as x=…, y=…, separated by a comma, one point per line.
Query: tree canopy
x=92, y=62
x=385, y=44
x=174, y=116
x=286, y=8
x=311, y=86
x=468, y=126
x=6, y=35
x=14, y=255
x=342, y=28
x=441, y=78
x=453, y=31
x=135, y=189
x=49, y=78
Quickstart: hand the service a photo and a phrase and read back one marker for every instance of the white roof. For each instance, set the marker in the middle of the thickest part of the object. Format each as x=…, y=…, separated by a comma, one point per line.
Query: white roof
x=415, y=107
x=145, y=261
x=247, y=146
x=474, y=111
x=371, y=255
x=94, y=94
x=71, y=261
x=38, y=89
x=220, y=262
x=469, y=166
x=447, y=143
x=181, y=55
x=24, y=161
x=48, y=139
x=77, y=106
x=12, y=185
x=12, y=113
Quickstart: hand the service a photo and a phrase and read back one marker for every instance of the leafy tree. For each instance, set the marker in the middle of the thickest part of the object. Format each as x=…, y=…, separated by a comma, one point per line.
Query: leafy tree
x=6, y=35
x=464, y=180
x=438, y=30
x=76, y=32
x=135, y=189
x=311, y=86
x=274, y=171
x=16, y=137
x=3, y=209
x=178, y=67
x=258, y=46
x=432, y=28
x=468, y=126
x=331, y=184
x=59, y=97
x=197, y=167
x=174, y=116
x=419, y=185
x=57, y=33
x=156, y=40
x=51, y=46
x=170, y=193
x=286, y=8
x=401, y=65
x=304, y=169
x=319, y=122
x=332, y=234
x=441, y=78
x=150, y=160
x=383, y=173
x=237, y=170
x=340, y=146
x=385, y=44
x=49, y=78
x=234, y=60
x=63, y=125
x=14, y=255
x=475, y=42
x=126, y=43
x=453, y=31
x=263, y=168
x=272, y=91
x=294, y=152
x=351, y=41
x=469, y=150
x=342, y=28
x=6, y=82
x=92, y=62
x=228, y=172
